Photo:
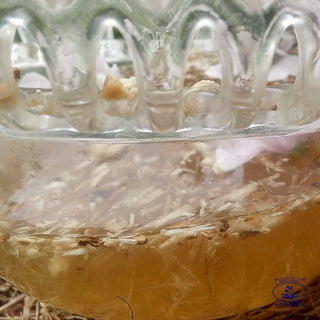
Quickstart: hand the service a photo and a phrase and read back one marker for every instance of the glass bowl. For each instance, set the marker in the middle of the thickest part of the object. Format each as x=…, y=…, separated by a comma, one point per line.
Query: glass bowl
x=160, y=161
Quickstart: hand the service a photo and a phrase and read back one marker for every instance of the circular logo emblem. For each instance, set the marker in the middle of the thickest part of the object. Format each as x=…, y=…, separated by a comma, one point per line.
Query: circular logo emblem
x=290, y=291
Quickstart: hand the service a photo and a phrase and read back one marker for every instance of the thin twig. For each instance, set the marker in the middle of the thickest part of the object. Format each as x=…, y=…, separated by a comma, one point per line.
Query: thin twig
x=127, y=303
x=46, y=312
x=37, y=310
x=315, y=309
x=12, y=302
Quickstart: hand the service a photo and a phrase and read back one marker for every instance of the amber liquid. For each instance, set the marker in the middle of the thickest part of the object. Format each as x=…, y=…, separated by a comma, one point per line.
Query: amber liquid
x=197, y=278
x=227, y=267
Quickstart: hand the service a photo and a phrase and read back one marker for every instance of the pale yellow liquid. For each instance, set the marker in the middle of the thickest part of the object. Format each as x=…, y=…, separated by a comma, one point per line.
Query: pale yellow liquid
x=193, y=275
x=198, y=278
